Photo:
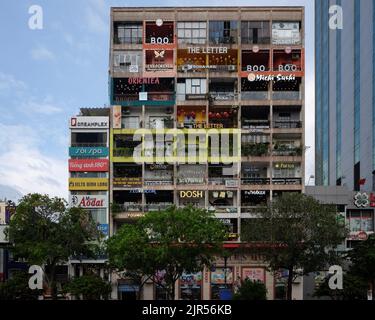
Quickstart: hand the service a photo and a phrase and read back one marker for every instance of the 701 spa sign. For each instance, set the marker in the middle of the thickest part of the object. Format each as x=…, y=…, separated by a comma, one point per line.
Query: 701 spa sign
x=88, y=151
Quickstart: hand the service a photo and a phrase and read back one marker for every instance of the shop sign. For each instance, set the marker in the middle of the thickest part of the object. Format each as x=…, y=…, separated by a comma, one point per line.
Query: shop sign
x=143, y=96
x=218, y=276
x=84, y=165
x=254, y=274
x=116, y=117
x=92, y=152
x=191, y=194
x=363, y=200
x=157, y=66
x=143, y=80
x=208, y=50
x=231, y=183
x=278, y=77
x=159, y=40
x=361, y=235
x=127, y=182
x=142, y=191
x=103, y=228
x=191, y=279
x=89, y=201
x=285, y=166
x=88, y=184
x=89, y=122
x=192, y=180
x=255, y=192
x=156, y=166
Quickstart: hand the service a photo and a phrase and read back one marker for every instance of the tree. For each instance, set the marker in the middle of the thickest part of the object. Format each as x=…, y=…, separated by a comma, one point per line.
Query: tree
x=17, y=288
x=168, y=242
x=298, y=233
x=251, y=290
x=45, y=232
x=90, y=287
x=362, y=258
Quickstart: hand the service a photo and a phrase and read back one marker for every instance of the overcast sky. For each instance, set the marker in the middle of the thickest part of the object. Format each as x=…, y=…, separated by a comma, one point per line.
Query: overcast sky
x=47, y=75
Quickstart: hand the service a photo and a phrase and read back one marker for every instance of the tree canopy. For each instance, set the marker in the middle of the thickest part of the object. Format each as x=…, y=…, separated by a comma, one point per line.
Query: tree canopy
x=168, y=242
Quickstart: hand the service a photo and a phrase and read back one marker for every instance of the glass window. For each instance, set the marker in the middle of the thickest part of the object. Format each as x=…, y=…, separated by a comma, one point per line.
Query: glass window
x=127, y=61
x=361, y=220
x=99, y=215
x=191, y=32
x=222, y=32
x=128, y=33
x=255, y=32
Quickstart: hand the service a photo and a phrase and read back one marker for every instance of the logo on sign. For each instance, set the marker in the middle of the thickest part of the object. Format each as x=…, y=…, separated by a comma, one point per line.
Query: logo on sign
x=87, y=202
x=361, y=200
x=73, y=122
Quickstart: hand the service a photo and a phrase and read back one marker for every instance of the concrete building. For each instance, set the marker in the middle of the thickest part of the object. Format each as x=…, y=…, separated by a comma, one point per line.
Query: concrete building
x=345, y=95
x=206, y=70
x=355, y=208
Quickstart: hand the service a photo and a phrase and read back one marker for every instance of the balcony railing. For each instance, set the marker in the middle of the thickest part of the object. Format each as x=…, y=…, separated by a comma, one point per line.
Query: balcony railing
x=223, y=209
x=156, y=206
x=255, y=181
x=254, y=149
x=287, y=152
x=254, y=95
x=191, y=180
x=259, y=40
x=286, y=95
x=134, y=207
x=223, y=68
x=287, y=181
x=151, y=96
x=123, y=152
x=127, y=40
x=224, y=123
x=89, y=144
x=222, y=40
x=158, y=181
x=253, y=209
x=220, y=181
x=255, y=124
x=287, y=124
x=223, y=95
x=142, y=207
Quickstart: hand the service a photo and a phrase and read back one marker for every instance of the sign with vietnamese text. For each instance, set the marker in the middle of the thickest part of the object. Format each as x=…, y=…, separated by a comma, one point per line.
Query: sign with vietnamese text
x=88, y=184
x=85, y=165
x=92, y=152
x=89, y=201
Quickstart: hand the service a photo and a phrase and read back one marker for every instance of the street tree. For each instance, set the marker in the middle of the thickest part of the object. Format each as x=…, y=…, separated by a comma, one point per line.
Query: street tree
x=88, y=287
x=45, y=232
x=167, y=243
x=298, y=234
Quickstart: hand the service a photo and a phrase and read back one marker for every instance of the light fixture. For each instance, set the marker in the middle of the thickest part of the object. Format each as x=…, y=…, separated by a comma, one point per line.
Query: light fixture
x=159, y=22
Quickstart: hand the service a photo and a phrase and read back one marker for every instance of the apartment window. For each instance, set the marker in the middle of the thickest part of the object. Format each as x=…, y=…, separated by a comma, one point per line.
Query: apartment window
x=222, y=32
x=130, y=122
x=255, y=32
x=196, y=86
x=127, y=61
x=128, y=33
x=99, y=215
x=192, y=32
x=360, y=220
x=284, y=171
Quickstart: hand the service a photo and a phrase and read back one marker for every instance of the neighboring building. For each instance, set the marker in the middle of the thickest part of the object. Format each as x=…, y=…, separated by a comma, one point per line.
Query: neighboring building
x=89, y=176
x=357, y=209
x=345, y=95
x=194, y=70
x=3, y=241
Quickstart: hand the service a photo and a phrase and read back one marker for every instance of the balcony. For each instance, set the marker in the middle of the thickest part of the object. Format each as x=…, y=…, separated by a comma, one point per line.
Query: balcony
x=287, y=181
x=255, y=181
x=255, y=124
x=287, y=124
x=123, y=152
x=254, y=95
x=223, y=209
x=223, y=95
x=152, y=98
x=157, y=206
x=128, y=207
x=286, y=95
x=287, y=151
x=253, y=209
x=254, y=149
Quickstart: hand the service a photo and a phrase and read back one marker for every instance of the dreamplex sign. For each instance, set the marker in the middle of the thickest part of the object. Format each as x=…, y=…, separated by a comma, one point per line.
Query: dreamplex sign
x=89, y=201
x=89, y=122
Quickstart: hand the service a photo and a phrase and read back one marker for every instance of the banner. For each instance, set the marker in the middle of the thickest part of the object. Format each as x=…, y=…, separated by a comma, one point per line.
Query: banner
x=84, y=165
x=254, y=274
x=88, y=184
x=89, y=123
x=85, y=152
x=89, y=201
x=116, y=117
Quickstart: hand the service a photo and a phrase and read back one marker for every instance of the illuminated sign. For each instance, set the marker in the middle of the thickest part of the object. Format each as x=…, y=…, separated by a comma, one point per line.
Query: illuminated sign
x=88, y=184
x=258, y=77
x=88, y=152
x=125, y=182
x=89, y=201
x=255, y=192
x=231, y=183
x=84, y=165
x=89, y=122
x=104, y=228
x=285, y=166
x=159, y=40
x=208, y=50
x=191, y=194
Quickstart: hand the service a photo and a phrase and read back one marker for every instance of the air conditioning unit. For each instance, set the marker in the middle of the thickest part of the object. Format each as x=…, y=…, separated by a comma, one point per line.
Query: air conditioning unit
x=232, y=68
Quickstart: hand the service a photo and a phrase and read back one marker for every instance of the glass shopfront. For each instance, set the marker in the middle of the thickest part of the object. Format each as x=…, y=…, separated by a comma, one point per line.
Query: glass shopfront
x=221, y=279
x=191, y=286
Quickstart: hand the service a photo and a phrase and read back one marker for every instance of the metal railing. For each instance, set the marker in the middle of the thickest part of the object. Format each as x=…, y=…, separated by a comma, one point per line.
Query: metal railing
x=287, y=124
x=287, y=152
x=286, y=95
x=254, y=95
x=253, y=209
x=223, y=95
x=89, y=144
x=255, y=124
x=255, y=181
x=287, y=181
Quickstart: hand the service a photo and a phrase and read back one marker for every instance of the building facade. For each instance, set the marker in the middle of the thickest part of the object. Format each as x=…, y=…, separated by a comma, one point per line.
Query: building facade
x=207, y=109
x=345, y=95
x=355, y=209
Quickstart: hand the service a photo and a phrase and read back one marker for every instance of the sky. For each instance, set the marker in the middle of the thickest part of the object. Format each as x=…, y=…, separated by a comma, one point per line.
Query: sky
x=47, y=75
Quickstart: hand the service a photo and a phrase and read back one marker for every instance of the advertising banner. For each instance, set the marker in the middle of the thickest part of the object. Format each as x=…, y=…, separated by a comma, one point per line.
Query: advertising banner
x=85, y=165
x=89, y=201
x=116, y=117
x=254, y=274
x=104, y=228
x=88, y=184
x=88, y=152
x=127, y=182
x=218, y=276
x=89, y=123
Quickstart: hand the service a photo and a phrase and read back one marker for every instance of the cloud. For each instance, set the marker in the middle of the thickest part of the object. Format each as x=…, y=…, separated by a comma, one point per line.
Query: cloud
x=25, y=168
x=44, y=108
x=42, y=53
x=96, y=15
x=9, y=82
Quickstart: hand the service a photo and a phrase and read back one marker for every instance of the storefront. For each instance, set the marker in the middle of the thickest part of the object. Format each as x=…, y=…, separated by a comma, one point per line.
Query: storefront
x=191, y=174
x=190, y=286
x=223, y=201
x=158, y=174
x=221, y=279
x=192, y=197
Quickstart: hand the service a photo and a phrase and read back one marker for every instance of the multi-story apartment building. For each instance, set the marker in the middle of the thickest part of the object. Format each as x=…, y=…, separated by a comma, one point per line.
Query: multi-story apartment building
x=210, y=72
